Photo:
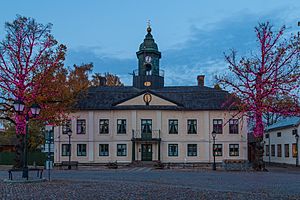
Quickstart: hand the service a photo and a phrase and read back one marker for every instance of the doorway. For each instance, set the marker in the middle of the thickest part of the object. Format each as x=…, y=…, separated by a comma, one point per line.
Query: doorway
x=146, y=152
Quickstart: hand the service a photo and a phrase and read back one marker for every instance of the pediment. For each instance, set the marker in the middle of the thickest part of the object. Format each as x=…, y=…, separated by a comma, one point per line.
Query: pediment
x=140, y=100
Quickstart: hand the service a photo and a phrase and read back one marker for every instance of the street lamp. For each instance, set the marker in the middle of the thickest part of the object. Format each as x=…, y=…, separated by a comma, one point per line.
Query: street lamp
x=214, y=134
x=69, y=134
x=35, y=109
x=295, y=132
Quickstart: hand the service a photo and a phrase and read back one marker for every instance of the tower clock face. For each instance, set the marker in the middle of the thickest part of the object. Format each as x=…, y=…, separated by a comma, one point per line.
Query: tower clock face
x=148, y=59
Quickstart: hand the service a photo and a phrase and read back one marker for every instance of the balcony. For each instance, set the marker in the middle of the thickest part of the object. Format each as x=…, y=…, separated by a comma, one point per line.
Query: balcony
x=160, y=73
x=138, y=135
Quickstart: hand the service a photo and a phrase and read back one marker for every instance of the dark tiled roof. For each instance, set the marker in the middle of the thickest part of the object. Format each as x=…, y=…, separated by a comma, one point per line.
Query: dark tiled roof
x=186, y=97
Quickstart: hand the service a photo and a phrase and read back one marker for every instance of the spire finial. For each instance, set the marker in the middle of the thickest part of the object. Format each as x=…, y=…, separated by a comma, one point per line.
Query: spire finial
x=148, y=26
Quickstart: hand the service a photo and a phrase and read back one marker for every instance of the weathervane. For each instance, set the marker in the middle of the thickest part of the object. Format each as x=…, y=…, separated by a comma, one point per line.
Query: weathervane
x=148, y=23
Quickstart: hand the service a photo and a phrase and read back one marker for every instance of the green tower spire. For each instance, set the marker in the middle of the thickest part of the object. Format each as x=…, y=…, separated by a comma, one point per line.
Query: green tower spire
x=148, y=55
x=148, y=63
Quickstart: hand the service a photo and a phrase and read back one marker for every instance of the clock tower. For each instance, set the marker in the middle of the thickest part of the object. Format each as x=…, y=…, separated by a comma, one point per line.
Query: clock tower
x=148, y=74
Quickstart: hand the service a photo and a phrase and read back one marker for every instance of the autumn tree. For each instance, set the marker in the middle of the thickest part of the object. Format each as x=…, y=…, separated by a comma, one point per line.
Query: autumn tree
x=27, y=51
x=32, y=70
x=79, y=77
x=106, y=80
x=35, y=138
x=65, y=85
x=263, y=80
x=28, y=54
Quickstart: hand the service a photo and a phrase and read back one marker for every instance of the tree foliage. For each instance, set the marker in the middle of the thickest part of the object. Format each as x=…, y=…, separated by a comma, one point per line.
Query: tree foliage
x=65, y=85
x=27, y=55
x=35, y=136
x=32, y=70
x=106, y=80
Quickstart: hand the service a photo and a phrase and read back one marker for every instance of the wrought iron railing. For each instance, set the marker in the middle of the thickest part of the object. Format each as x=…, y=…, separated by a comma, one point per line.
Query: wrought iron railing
x=161, y=73
x=138, y=134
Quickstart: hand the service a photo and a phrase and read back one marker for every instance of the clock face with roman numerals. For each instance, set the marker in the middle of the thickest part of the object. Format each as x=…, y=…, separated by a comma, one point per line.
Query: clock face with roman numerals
x=148, y=59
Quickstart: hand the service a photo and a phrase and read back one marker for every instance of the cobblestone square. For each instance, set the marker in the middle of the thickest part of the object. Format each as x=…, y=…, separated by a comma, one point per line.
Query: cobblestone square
x=146, y=183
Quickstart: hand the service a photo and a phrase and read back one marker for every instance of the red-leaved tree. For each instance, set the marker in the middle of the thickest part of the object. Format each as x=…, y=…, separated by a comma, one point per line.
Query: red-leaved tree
x=28, y=54
x=263, y=81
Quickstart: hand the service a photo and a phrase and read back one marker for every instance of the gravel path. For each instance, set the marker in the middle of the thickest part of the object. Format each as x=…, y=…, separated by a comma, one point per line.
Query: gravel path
x=157, y=184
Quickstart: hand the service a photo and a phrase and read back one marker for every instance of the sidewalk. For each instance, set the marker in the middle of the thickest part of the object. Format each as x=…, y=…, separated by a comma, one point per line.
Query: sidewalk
x=5, y=167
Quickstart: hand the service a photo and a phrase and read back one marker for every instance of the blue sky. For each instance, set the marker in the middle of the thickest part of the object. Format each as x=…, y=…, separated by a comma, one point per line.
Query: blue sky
x=192, y=35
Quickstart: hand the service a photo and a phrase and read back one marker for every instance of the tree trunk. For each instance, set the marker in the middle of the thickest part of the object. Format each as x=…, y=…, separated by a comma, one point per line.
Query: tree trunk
x=19, y=152
x=259, y=164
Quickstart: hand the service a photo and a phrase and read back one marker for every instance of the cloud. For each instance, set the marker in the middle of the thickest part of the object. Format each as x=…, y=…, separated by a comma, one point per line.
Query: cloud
x=202, y=53
x=102, y=63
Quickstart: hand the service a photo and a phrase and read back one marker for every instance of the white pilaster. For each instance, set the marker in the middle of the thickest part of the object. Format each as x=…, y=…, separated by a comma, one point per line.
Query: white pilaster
x=91, y=136
x=159, y=118
x=133, y=120
x=207, y=135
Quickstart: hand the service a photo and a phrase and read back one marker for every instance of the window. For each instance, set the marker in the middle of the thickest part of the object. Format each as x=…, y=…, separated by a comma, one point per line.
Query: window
x=173, y=126
x=192, y=149
x=218, y=126
x=81, y=149
x=65, y=149
x=278, y=134
x=218, y=149
x=273, y=150
x=103, y=150
x=81, y=126
x=104, y=126
x=192, y=126
x=173, y=150
x=294, y=150
x=267, y=150
x=66, y=127
x=278, y=150
x=287, y=150
x=267, y=136
x=233, y=126
x=121, y=150
x=233, y=150
x=121, y=126
x=146, y=125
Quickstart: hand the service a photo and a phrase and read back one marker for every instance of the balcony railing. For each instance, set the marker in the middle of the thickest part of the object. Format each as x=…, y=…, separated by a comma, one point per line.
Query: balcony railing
x=140, y=135
x=161, y=73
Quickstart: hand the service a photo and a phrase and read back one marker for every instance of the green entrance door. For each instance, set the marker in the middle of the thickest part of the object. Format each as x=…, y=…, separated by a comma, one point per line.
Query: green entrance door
x=146, y=152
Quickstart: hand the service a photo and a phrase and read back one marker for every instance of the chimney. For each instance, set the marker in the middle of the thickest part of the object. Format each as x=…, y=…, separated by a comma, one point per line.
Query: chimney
x=200, y=80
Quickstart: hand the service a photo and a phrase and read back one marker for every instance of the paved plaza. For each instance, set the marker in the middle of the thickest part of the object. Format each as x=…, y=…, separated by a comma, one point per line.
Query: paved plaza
x=147, y=183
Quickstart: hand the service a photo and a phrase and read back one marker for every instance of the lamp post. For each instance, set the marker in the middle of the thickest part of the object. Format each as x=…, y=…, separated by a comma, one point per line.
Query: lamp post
x=295, y=133
x=214, y=134
x=269, y=149
x=69, y=134
x=35, y=109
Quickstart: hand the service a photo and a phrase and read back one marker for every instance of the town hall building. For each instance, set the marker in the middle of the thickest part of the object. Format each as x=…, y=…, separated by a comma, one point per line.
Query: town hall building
x=149, y=121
